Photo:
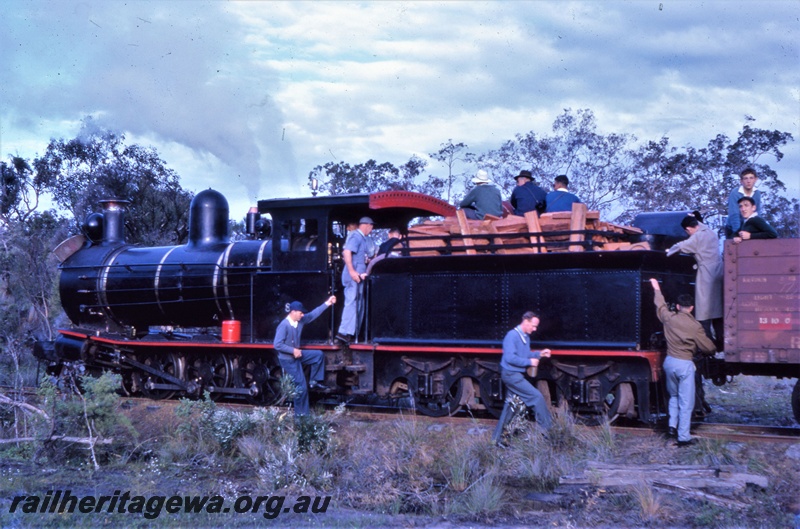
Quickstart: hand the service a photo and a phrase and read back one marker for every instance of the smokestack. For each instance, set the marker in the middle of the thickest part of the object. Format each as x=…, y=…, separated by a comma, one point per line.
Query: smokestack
x=252, y=218
x=113, y=221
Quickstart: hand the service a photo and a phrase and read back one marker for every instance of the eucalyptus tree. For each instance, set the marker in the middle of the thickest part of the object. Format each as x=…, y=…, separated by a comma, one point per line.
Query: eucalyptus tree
x=452, y=156
x=596, y=164
x=668, y=178
x=98, y=165
x=28, y=293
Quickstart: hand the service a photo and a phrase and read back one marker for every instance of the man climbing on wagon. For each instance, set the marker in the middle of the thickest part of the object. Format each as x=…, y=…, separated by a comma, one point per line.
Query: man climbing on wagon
x=684, y=336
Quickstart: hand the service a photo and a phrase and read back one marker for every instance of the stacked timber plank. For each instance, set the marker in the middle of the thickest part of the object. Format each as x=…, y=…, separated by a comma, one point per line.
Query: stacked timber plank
x=569, y=231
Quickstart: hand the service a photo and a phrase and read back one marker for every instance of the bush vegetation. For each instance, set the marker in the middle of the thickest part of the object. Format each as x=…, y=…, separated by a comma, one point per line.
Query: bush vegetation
x=385, y=473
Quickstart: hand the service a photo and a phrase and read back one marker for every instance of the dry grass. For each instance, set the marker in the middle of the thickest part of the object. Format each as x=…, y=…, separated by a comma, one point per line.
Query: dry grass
x=411, y=467
x=649, y=501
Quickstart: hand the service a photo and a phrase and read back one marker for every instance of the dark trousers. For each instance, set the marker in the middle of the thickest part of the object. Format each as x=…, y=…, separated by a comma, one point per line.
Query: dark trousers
x=472, y=214
x=531, y=396
x=294, y=368
x=714, y=330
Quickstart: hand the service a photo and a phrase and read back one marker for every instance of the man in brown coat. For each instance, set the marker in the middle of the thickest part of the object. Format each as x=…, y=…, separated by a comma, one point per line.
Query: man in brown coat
x=684, y=336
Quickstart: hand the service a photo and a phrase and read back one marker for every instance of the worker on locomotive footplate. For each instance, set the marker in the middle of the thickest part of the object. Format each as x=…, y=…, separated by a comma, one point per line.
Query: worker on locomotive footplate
x=753, y=226
x=517, y=358
x=292, y=358
x=393, y=244
x=358, y=250
x=349, y=229
x=684, y=336
x=703, y=244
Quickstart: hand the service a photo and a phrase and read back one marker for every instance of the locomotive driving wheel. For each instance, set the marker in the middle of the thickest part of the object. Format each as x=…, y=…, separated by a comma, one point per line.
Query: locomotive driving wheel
x=212, y=370
x=443, y=405
x=261, y=374
x=169, y=364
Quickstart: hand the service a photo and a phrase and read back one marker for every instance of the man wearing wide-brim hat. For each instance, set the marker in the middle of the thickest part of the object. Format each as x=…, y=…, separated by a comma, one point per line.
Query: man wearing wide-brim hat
x=484, y=199
x=527, y=196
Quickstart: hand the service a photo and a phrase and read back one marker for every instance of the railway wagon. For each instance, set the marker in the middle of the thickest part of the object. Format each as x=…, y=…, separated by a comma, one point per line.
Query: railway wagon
x=762, y=312
x=200, y=317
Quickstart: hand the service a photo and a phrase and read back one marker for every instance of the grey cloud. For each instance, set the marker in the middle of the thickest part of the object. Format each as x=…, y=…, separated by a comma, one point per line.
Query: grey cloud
x=177, y=71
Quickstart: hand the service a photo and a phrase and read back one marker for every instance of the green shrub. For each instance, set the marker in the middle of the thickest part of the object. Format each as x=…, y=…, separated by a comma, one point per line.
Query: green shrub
x=313, y=434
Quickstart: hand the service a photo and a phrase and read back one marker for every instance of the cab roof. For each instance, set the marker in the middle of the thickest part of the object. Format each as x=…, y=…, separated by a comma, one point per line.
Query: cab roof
x=386, y=208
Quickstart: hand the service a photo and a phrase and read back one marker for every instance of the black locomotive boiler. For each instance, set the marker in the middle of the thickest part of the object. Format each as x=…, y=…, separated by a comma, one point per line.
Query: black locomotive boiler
x=201, y=316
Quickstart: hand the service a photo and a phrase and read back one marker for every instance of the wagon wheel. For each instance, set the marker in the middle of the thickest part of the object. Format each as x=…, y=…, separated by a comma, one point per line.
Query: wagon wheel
x=213, y=371
x=448, y=404
x=620, y=402
x=796, y=401
x=169, y=364
x=264, y=375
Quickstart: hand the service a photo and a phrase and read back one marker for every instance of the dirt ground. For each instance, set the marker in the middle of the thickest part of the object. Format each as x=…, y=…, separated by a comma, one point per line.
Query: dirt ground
x=748, y=400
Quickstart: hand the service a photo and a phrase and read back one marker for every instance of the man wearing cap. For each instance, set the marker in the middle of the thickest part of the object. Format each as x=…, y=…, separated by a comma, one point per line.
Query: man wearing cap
x=358, y=250
x=527, y=196
x=292, y=358
x=483, y=199
x=684, y=336
x=560, y=199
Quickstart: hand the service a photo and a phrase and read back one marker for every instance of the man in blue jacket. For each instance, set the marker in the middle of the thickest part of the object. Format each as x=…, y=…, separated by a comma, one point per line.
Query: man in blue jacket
x=527, y=196
x=560, y=199
x=517, y=358
x=292, y=358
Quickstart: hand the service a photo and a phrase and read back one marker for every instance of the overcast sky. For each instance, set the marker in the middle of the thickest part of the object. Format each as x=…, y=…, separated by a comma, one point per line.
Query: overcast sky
x=247, y=97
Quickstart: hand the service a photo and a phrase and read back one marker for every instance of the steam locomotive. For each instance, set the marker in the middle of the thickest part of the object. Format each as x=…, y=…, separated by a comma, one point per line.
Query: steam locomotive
x=200, y=317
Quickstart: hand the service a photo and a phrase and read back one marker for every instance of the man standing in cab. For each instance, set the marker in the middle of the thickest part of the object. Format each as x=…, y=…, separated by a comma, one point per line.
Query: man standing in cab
x=358, y=250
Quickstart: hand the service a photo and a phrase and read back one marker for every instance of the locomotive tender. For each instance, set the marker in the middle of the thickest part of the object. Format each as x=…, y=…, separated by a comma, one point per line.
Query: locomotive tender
x=201, y=316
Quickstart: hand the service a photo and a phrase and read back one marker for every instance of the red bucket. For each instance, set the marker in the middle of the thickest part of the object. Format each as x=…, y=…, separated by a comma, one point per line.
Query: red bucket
x=231, y=331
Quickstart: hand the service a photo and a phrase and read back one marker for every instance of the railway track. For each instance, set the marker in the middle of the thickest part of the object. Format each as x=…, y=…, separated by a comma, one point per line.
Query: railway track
x=730, y=432
x=747, y=432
